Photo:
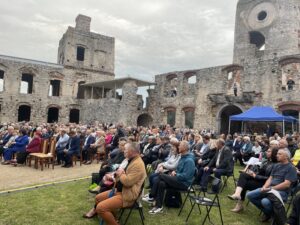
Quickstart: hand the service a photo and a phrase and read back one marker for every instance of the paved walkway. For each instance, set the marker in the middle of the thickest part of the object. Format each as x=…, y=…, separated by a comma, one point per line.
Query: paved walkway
x=23, y=176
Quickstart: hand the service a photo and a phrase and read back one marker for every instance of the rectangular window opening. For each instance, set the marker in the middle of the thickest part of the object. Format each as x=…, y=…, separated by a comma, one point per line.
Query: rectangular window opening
x=54, y=89
x=80, y=53
x=1, y=80
x=26, y=84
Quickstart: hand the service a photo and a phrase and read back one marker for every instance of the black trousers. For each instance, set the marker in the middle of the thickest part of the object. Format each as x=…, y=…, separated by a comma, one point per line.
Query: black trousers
x=104, y=171
x=161, y=184
x=248, y=183
x=88, y=153
x=238, y=156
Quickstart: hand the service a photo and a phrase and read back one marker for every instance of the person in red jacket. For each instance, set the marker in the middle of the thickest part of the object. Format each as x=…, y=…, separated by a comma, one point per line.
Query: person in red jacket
x=34, y=144
x=32, y=147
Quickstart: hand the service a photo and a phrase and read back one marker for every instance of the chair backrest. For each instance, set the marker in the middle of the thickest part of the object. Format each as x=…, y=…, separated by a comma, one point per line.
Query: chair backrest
x=52, y=147
x=44, y=146
x=214, y=185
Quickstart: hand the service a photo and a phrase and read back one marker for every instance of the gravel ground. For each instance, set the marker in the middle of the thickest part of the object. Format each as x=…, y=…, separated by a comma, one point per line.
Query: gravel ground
x=22, y=176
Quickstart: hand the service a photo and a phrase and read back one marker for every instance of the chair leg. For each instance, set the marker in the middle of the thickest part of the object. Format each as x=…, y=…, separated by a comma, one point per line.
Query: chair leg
x=225, y=183
x=182, y=205
x=121, y=214
x=141, y=215
x=42, y=164
x=220, y=211
x=190, y=212
x=128, y=215
x=234, y=181
x=208, y=211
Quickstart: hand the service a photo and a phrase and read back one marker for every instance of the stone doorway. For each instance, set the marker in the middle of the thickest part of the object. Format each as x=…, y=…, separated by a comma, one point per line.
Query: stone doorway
x=74, y=116
x=144, y=120
x=53, y=113
x=224, y=115
x=24, y=112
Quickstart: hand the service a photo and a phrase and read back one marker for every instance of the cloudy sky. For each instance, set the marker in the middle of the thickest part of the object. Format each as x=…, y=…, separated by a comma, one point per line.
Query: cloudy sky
x=152, y=36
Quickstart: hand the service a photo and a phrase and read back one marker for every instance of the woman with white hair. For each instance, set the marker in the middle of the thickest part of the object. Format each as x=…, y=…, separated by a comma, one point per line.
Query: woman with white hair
x=246, y=150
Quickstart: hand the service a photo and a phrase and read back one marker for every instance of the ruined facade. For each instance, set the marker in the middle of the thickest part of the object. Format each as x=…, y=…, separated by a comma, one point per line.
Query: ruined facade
x=265, y=71
x=47, y=92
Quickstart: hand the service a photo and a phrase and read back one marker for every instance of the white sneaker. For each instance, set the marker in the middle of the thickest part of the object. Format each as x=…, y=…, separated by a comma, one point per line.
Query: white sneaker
x=147, y=199
x=146, y=195
x=156, y=210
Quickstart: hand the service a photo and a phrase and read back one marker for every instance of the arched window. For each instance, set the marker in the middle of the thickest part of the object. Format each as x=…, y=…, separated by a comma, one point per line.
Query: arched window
x=52, y=116
x=258, y=39
x=171, y=116
x=74, y=115
x=24, y=112
x=189, y=117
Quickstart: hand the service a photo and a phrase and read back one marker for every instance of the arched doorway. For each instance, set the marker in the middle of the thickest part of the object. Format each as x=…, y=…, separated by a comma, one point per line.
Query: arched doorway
x=291, y=127
x=144, y=120
x=53, y=113
x=24, y=112
x=224, y=115
x=74, y=116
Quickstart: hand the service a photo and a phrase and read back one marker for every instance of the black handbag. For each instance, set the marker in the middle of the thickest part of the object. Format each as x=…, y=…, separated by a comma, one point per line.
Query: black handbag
x=173, y=199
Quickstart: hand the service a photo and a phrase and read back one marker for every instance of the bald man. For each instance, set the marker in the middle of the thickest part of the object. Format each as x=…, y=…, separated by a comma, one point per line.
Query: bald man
x=282, y=176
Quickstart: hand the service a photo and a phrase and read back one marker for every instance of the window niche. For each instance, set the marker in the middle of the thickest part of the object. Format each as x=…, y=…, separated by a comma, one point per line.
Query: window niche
x=257, y=39
x=80, y=53
x=54, y=89
x=1, y=80
x=26, y=84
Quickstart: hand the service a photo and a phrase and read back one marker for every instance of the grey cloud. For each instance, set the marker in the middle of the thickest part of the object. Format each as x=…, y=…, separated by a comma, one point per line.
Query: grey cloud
x=152, y=36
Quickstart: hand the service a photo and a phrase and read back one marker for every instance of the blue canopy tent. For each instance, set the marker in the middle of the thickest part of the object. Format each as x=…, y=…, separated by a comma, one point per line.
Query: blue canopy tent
x=262, y=113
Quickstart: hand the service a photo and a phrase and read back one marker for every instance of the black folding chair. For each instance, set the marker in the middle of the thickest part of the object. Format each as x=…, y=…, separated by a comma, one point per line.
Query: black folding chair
x=137, y=205
x=214, y=188
x=188, y=192
x=292, y=193
x=227, y=176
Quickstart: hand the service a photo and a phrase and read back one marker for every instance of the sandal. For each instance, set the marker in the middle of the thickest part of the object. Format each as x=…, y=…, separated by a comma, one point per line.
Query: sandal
x=89, y=217
x=233, y=197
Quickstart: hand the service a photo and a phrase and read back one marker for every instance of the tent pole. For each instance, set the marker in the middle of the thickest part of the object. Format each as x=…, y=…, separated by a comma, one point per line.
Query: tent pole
x=242, y=126
x=229, y=126
x=283, y=128
x=293, y=126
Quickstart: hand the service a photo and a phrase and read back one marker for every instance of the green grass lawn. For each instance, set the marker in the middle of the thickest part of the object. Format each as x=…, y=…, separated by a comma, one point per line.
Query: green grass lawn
x=65, y=204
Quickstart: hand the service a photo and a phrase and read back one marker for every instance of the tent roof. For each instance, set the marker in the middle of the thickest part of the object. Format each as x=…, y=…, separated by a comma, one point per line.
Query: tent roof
x=261, y=113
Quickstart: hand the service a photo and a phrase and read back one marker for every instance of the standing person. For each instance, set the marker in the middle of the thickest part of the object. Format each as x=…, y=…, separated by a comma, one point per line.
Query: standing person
x=235, y=89
x=282, y=176
x=128, y=185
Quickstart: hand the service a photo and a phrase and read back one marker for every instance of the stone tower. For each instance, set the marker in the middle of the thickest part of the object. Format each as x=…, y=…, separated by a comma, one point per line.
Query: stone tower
x=265, y=29
x=79, y=48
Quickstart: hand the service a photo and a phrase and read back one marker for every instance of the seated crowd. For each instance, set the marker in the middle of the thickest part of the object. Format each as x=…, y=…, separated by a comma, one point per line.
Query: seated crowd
x=175, y=159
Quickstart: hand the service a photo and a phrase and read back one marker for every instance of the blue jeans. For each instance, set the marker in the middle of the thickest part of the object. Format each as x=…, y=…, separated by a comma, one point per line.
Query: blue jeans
x=260, y=200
